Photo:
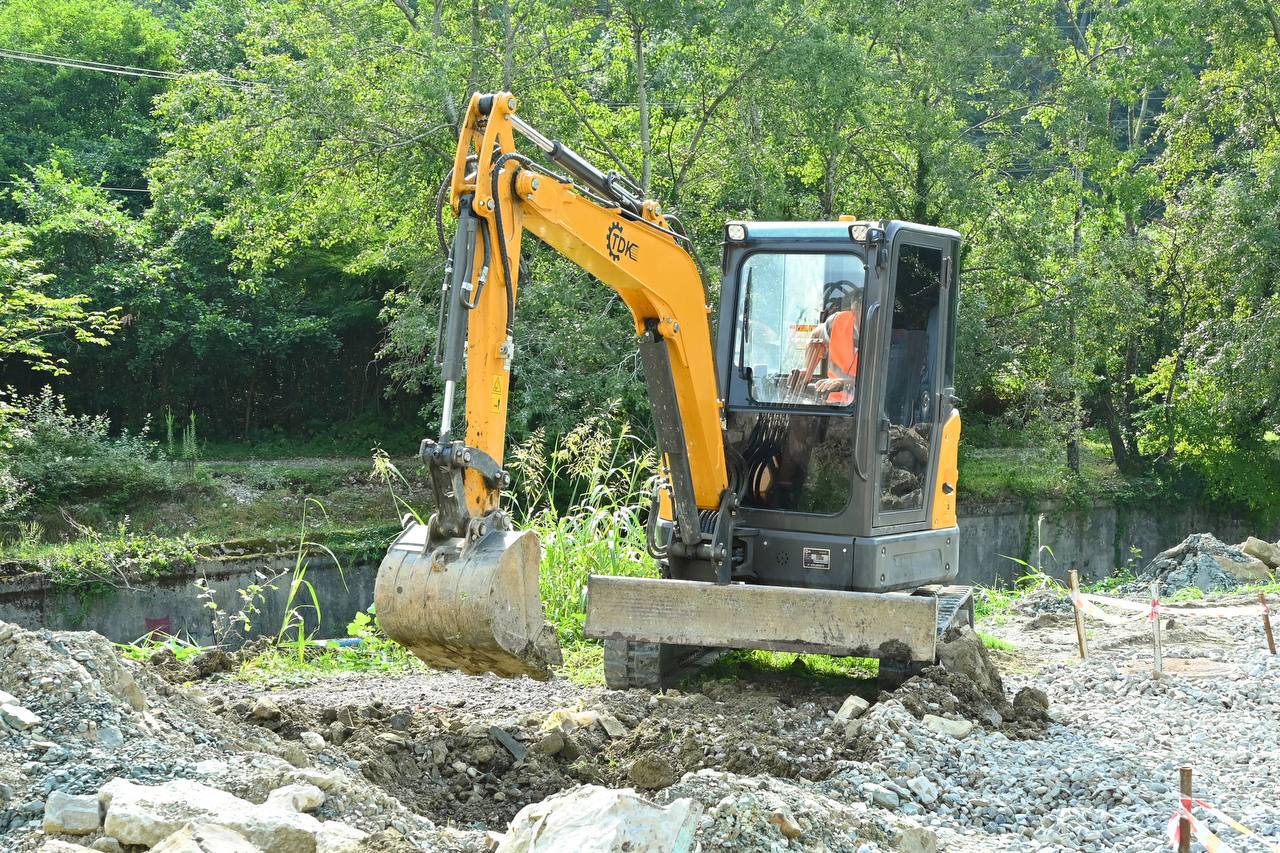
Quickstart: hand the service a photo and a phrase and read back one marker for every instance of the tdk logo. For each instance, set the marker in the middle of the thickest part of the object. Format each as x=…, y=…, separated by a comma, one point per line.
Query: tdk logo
x=617, y=244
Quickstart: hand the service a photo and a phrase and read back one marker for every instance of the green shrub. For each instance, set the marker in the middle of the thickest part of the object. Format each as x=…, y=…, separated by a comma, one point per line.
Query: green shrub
x=111, y=559
x=587, y=497
x=59, y=456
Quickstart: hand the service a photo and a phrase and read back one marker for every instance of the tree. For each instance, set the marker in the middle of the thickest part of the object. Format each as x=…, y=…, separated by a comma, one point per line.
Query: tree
x=99, y=120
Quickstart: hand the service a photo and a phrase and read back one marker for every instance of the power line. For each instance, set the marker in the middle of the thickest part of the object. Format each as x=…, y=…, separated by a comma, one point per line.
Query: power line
x=110, y=68
x=113, y=189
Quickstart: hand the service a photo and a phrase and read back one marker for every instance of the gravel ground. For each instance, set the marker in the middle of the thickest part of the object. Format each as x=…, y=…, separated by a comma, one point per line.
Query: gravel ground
x=774, y=762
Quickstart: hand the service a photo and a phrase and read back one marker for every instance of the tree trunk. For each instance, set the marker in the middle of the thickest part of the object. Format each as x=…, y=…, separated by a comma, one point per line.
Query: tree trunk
x=642, y=103
x=508, y=47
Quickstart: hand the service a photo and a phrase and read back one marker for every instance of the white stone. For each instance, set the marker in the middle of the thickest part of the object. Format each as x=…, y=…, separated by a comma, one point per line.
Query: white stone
x=926, y=792
x=324, y=781
x=336, y=837
x=71, y=814
x=298, y=797
x=958, y=729
x=54, y=845
x=852, y=708
x=612, y=726
x=601, y=819
x=210, y=767
x=1267, y=552
x=313, y=741
x=205, y=838
x=915, y=839
x=18, y=717
x=882, y=796
x=8, y=699
x=138, y=814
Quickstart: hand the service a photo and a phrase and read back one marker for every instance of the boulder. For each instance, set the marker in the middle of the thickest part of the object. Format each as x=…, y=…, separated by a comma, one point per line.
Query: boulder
x=915, y=839
x=205, y=838
x=550, y=743
x=851, y=709
x=958, y=729
x=1267, y=552
x=1248, y=570
x=601, y=820
x=786, y=822
x=313, y=741
x=71, y=814
x=298, y=797
x=1031, y=703
x=925, y=791
x=18, y=717
x=53, y=845
x=146, y=815
x=882, y=796
x=336, y=837
x=265, y=709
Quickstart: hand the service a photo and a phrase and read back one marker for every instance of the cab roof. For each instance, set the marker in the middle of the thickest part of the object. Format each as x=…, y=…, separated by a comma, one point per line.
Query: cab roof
x=831, y=230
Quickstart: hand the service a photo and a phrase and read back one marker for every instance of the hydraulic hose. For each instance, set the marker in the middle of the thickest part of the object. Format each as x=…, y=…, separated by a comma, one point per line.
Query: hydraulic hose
x=495, y=171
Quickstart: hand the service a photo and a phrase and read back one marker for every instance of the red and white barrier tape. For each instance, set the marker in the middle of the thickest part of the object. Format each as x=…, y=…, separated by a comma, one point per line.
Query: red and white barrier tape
x=1212, y=843
x=1149, y=610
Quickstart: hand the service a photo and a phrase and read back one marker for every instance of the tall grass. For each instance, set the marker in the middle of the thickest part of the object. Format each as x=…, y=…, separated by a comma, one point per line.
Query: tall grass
x=587, y=497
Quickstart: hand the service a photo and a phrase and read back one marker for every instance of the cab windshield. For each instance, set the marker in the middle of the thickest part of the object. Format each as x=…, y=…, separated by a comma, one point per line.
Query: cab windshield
x=799, y=327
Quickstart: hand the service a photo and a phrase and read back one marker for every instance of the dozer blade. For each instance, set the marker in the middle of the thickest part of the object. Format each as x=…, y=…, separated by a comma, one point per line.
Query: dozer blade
x=892, y=626
x=472, y=607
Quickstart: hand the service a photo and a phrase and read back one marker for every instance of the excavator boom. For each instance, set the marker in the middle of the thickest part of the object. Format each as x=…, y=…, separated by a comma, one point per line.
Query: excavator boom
x=461, y=590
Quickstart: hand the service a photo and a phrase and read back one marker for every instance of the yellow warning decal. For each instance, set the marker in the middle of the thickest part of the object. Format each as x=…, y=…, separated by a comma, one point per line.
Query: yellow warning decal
x=495, y=398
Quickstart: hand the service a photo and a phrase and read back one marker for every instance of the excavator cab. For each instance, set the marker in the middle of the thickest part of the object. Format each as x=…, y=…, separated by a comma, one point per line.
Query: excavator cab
x=806, y=498
x=835, y=357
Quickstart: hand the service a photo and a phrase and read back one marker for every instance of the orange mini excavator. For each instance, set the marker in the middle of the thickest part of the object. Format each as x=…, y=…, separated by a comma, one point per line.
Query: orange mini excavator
x=807, y=497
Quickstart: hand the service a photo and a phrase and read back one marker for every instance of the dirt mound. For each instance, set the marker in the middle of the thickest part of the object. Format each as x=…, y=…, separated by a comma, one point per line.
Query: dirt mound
x=457, y=765
x=968, y=686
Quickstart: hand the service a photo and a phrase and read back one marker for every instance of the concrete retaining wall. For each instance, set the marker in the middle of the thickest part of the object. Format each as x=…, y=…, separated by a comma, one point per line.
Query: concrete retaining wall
x=1095, y=542
x=172, y=604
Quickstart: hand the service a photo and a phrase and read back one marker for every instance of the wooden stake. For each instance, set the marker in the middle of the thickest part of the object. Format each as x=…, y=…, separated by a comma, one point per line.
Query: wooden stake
x=1073, y=578
x=1184, y=823
x=1266, y=622
x=1155, y=630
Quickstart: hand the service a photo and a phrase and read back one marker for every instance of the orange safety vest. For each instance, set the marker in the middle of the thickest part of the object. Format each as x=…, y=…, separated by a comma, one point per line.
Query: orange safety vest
x=842, y=352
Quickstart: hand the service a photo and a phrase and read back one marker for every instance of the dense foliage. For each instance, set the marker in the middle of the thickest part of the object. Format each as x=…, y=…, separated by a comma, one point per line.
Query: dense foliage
x=1114, y=167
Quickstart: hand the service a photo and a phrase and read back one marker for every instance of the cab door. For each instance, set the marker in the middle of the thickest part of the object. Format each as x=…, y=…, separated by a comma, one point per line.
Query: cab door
x=915, y=369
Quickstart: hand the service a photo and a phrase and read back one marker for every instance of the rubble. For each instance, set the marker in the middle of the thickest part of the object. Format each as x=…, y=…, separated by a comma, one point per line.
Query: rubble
x=1204, y=562
x=117, y=756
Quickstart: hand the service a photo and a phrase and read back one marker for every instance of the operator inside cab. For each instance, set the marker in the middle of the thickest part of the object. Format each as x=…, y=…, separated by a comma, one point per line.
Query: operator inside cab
x=836, y=340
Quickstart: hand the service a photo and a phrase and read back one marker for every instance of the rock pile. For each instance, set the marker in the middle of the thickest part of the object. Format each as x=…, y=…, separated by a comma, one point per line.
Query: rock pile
x=750, y=814
x=1204, y=562
x=97, y=751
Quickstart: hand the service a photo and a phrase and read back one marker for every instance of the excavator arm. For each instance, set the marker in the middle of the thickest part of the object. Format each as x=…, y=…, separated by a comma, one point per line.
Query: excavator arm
x=461, y=590
x=622, y=241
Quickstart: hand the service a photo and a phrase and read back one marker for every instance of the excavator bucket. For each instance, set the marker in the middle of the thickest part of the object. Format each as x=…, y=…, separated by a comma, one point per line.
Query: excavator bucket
x=471, y=606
